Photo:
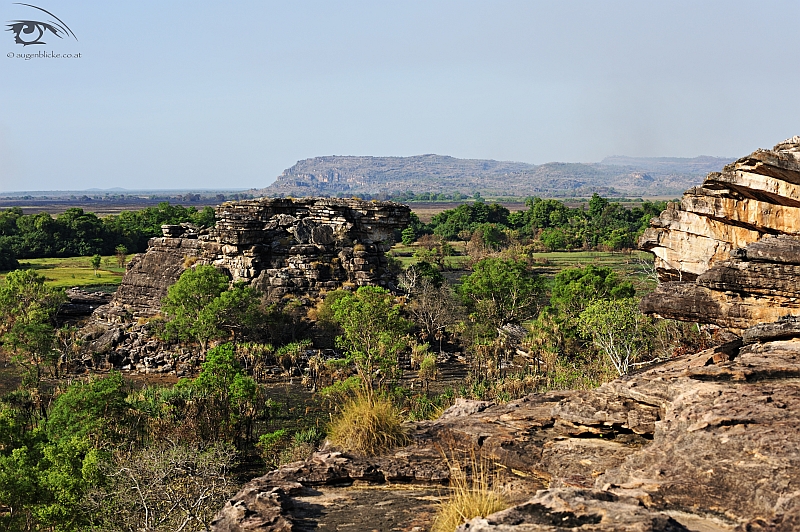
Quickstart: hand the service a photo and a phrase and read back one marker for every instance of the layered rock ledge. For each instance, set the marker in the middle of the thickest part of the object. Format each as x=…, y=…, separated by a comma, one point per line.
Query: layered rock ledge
x=729, y=253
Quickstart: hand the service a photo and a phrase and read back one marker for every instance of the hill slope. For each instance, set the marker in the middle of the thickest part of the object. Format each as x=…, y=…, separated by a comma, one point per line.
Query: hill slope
x=350, y=175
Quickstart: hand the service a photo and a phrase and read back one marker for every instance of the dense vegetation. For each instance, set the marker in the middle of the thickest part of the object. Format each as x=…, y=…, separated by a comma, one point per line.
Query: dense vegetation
x=548, y=223
x=78, y=233
x=97, y=453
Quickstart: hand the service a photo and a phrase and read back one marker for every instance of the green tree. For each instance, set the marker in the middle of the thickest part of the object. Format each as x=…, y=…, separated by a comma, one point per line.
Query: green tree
x=188, y=305
x=95, y=410
x=95, y=262
x=121, y=253
x=575, y=288
x=373, y=333
x=618, y=329
x=554, y=239
x=500, y=291
x=28, y=309
x=408, y=236
x=236, y=311
x=229, y=394
x=47, y=472
x=8, y=260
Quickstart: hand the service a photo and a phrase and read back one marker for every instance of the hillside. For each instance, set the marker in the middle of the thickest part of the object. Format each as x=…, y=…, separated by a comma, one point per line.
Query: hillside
x=618, y=175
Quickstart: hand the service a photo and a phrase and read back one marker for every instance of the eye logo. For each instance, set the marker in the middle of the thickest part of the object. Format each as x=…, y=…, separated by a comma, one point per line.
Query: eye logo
x=32, y=31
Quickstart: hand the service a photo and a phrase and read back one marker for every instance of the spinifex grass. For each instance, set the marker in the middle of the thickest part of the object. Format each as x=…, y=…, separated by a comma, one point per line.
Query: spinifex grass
x=473, y=493
x=367, y=426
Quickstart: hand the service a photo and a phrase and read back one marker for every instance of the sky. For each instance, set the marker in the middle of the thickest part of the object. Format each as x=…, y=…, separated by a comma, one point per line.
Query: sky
x=178, y=94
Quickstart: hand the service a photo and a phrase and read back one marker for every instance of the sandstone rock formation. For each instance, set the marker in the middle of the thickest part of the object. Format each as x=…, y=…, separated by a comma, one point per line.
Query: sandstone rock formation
x=729, y=253
x=754, y=196
x=280, y=246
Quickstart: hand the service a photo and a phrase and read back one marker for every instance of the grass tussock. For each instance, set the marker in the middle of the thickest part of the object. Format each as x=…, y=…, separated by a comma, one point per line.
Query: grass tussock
x=368, y=426
x=471, y=495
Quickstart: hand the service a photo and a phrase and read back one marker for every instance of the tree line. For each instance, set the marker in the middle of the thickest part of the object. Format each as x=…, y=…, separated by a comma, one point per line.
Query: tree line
x=549, y=223
x=78, y=233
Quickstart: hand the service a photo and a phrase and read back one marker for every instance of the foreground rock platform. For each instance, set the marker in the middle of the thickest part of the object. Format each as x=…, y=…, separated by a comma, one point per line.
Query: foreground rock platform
x=704, y=442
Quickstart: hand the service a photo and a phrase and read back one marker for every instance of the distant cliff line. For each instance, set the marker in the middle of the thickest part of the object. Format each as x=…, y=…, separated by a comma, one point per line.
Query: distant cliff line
x=383, y=177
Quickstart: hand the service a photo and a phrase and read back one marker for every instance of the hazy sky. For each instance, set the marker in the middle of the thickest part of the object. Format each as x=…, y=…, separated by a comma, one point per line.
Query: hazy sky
x=172, y=94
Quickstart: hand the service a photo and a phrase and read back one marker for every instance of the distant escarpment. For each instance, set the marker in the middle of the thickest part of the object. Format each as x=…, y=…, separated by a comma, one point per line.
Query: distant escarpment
x=728, y=253
x=342, y=175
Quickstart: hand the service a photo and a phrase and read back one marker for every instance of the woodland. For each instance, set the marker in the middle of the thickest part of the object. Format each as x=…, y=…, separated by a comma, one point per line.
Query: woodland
x=486, y=306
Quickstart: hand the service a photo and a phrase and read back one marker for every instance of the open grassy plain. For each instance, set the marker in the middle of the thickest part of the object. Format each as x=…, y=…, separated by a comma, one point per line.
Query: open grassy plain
x=77, y=271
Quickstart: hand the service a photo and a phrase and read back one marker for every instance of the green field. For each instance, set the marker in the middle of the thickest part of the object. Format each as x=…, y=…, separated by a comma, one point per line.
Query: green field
x=630, y=265
x=76, y=271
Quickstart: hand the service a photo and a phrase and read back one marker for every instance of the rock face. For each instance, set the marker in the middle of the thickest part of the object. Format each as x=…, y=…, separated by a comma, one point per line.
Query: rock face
x=729, y=253
x=754, y=196
x=280, y=246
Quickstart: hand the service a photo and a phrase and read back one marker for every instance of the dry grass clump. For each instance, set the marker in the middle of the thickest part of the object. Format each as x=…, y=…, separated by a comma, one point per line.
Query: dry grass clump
x=470, y=495
x=367, y=426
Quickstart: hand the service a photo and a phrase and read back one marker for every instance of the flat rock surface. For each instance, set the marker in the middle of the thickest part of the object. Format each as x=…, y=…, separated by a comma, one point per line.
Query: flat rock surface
x=389, y=508
x=704, y=442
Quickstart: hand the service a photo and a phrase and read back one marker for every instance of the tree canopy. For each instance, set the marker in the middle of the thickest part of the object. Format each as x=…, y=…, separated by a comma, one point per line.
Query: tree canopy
x=373, y=332
x=500, y=291
x=28, y=309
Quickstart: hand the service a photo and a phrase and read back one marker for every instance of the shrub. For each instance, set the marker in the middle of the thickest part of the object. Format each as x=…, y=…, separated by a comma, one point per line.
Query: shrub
x=428, y=369
x=421, y=406
x=367, y=426
x=269, y=445
x=469, y=497
x=341, y=390
x=302, y=446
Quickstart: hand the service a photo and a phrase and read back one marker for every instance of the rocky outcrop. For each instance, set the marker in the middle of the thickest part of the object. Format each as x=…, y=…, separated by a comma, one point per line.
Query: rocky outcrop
x=705, y=442
x=755, y=196
x=81, y=303
x=280, y=246
x=729, y=253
